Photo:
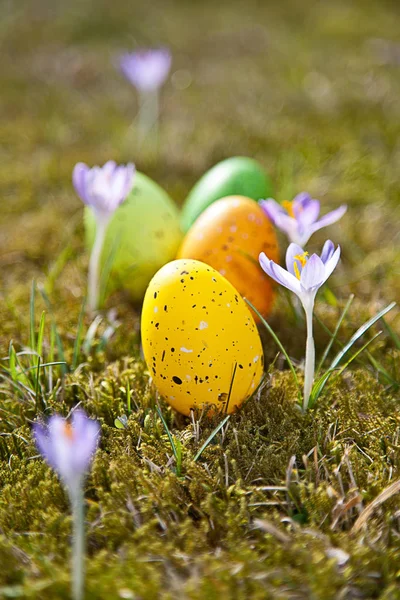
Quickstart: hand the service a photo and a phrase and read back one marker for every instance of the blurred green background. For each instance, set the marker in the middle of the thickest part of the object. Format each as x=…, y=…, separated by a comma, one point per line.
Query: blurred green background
x=310, y=89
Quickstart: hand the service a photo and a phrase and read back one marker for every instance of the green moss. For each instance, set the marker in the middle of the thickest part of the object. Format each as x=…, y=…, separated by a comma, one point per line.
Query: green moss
x=201, y=534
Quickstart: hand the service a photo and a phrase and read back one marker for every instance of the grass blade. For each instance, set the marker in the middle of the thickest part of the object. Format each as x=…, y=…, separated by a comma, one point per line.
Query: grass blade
x=91, y=333
x=280, y=346
x=39, y=348
x=178, y=457
x=360, y=332
x=320, y=384
x=344, y=367
x=78, y=337
x=231, y=387
x=59, y=344
x=51, y=356
x=15, y=368
x=13, y=362
x=37, y=387
x=171, y=440
x=334, y=335
x=329, y=296
x=294, y=309
x=392, y=334
x=48, y=364
x=128, y=397
x=32, y=337
x=381, y=369
x=211, y=437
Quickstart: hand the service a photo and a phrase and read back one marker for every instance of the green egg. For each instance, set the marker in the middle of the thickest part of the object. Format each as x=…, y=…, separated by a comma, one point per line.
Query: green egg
x=142, y=236
x=237, y=176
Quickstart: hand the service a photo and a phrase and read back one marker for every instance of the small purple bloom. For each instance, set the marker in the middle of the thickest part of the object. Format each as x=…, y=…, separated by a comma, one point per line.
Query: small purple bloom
x=103, y=188
x=304, y=275
x=299, y=218
x=68, y=447
x=147, y=70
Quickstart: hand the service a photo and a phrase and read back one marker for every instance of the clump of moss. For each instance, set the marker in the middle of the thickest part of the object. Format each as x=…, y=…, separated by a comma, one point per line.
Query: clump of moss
x=234, y=516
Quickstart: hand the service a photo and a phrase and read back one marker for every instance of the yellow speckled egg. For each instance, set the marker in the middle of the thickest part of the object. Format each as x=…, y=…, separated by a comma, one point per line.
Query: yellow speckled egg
x=200, y=341
x=229, y=235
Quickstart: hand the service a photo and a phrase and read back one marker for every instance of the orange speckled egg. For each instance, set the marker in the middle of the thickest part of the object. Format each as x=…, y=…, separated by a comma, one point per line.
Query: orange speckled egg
x=229, y=236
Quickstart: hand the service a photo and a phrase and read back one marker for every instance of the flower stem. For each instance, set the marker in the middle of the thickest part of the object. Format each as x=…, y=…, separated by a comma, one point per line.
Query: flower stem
x=148, y=115
x=310, y=358
x=78, y=543
x=94, y=263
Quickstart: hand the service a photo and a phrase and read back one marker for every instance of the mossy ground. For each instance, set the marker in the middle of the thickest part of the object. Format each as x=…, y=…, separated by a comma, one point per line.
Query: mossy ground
x=271, y=508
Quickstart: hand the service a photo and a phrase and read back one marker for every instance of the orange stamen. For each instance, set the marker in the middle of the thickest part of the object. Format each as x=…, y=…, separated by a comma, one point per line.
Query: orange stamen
x=68, y=431
x=288, y=206
x=296, y=270
x=302, y=258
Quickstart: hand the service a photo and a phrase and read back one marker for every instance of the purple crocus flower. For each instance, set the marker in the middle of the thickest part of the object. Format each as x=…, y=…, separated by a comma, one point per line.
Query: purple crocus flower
x=299, y=218
x=304, y=276
x=68, y=446
x=103, y=188
x=147, y=70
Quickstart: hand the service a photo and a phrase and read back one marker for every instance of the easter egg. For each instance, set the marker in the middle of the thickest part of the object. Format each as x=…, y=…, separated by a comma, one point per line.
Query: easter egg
x=143, y=234
x=200, y=341
x=229, y=235
x=238, y=175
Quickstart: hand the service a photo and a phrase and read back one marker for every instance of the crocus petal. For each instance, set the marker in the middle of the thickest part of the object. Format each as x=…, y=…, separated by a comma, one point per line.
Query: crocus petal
x=68, y=447
x=279, y=274
x=265, y=263
x=61, y=450
x=42, y=441
x=122, y=183
x=308, y=213
x=292, y=251
x=103, y=188
x=86, y=436
x=330, y=265
x=129, y=179
x=328, y=219
x=288, y=225
x=312, y=274
x=272, y=209
x=117, y=186
x=300, y=201
x=79, y=181
x=327, y=251
x=109, y=167
x=281, y=219
x=147, y=70
x=286, y=279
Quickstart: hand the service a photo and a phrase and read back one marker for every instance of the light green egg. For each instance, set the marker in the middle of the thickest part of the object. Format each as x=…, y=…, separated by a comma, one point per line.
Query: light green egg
x=142, y=236
x=237, y=176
